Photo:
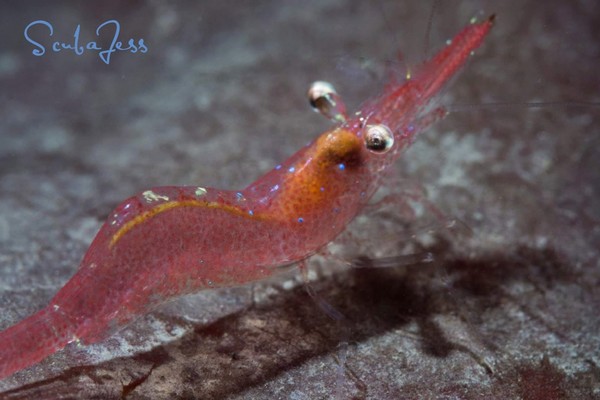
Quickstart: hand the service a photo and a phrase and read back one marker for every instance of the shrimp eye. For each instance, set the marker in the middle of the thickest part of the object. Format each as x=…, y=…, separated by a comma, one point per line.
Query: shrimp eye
x=379, y=138
x=324, y=99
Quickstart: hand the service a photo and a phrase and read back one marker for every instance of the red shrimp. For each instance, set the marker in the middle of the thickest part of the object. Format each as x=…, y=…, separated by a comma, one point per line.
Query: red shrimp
x=169, y=241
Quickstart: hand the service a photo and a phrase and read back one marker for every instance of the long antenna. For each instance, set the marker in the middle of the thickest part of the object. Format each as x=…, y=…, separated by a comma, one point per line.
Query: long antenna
x=398, y=61
x=526, y=104
x=429, y=25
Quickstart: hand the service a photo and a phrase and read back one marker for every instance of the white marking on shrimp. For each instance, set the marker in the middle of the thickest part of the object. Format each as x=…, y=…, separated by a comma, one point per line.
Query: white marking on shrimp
x=150, y=196
x=200, y=191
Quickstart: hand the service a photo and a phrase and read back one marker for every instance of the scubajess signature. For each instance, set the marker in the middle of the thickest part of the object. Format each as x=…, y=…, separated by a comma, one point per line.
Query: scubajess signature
x=108, y=29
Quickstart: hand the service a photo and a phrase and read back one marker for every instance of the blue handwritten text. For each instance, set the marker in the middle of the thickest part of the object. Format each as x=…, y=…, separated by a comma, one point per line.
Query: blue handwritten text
x=79, y=48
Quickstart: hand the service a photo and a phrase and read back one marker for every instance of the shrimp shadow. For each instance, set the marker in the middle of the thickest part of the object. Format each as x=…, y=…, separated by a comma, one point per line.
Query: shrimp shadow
x=247, y=349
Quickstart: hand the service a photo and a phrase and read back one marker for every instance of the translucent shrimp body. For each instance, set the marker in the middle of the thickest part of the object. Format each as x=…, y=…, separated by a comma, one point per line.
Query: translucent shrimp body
x=170, y=241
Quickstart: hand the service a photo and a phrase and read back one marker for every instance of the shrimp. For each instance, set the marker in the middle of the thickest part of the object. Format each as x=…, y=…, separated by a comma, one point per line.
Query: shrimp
x=170, y=241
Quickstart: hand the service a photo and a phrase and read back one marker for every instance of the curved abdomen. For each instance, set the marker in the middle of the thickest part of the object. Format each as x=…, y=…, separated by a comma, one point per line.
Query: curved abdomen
x=183, y=249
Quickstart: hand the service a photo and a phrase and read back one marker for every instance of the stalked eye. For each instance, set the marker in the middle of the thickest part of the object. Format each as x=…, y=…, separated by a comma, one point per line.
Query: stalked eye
x=324, y=99
x=379, y=138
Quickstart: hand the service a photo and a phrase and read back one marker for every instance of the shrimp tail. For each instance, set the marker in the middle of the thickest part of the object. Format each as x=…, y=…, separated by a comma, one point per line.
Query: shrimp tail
x=32, y=340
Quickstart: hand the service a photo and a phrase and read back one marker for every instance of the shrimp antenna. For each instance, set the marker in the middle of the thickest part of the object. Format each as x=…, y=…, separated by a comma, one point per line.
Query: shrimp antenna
x=428, y=30
x=527, y=104
x=399, y=59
